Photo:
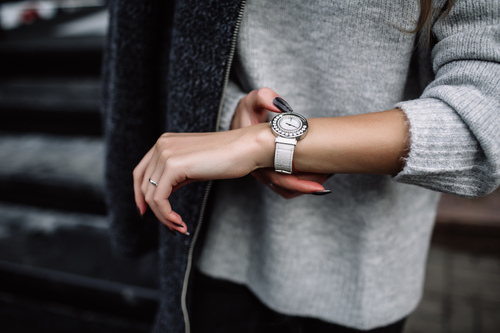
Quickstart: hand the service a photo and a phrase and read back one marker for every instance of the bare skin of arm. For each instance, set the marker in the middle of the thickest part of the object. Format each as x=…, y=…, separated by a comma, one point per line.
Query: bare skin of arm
x=374, y=143
x=345, y=133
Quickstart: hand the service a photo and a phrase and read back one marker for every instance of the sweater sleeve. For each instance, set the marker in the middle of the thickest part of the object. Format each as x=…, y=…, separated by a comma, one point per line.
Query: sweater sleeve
x=454, y=125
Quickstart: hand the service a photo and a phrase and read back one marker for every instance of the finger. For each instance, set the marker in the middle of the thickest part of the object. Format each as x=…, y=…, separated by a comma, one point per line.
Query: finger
x=253, y=108
x=281, y=104
x=159, y=206
x=262, y=99
x=170, y=224
x=264, y=179
x=138, y=176
x=292, y=183
x=149, y=172
x=158, y=199
x=288, y=182
x=283, y=192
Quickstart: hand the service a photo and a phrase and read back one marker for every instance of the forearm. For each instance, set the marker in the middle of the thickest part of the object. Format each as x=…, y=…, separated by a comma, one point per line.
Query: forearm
x=374, y=143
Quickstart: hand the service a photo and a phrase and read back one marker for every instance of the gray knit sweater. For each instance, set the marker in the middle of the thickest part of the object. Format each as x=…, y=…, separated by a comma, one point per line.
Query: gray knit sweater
x=357, y=256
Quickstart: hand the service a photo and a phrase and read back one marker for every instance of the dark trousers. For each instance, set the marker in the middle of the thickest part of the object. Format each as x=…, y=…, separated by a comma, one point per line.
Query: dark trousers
x=224, y=307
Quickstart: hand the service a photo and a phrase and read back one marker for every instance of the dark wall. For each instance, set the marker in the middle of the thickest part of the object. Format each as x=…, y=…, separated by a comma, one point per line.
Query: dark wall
x=57, y=270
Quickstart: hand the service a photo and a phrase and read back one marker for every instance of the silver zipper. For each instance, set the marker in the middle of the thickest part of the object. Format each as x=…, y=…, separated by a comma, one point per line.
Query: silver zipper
x=209, y=186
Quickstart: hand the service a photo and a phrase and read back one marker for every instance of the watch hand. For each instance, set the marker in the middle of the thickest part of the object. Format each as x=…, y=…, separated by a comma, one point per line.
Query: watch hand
x=292, y=125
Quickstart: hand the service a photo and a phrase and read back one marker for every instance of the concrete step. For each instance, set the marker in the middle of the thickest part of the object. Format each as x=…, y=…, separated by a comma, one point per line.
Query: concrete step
x=478, y=211
x=119, y=306
x=75, y=56
x=51, y=105
x=50, y=94
x=57, y=269
x=73, y=243
x=469, y=224
x=461, y=293
x=59, y=172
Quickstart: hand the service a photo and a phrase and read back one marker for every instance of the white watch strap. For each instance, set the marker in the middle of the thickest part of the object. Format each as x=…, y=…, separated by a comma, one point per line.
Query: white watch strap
x=283, y=155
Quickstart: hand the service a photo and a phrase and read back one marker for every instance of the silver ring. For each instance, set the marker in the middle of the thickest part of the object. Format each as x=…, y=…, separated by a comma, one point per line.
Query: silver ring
x=153, y=182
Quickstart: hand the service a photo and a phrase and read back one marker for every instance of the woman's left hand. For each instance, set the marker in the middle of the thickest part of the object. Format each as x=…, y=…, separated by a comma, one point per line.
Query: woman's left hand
x=180, y=158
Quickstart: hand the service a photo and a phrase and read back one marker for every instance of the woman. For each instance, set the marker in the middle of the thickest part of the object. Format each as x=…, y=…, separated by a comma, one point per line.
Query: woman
x=351, y=259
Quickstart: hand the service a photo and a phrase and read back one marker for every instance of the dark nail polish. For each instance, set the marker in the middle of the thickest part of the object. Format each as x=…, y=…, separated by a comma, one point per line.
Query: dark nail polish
x=281, y=104
x=139, y=212
x=324, y=192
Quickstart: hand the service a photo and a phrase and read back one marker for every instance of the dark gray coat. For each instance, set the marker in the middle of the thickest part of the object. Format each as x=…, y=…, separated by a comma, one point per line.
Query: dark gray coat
x=165, y=69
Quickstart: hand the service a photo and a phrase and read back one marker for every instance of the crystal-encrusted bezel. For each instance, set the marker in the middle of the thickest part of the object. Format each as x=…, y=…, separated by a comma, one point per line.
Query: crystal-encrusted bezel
x=289, y=134
x=285, y=133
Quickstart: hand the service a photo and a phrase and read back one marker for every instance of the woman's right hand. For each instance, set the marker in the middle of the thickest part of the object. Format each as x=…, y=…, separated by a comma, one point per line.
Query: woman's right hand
x=253, y=109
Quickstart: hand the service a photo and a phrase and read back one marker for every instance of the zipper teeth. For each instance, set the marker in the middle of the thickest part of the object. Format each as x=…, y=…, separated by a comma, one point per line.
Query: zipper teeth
x=230, y=61
x=190, y=260
x=209, y=186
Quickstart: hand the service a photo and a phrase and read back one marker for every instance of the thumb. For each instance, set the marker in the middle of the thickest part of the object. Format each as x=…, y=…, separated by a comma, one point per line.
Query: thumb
x=266, y=99
x=282, y=105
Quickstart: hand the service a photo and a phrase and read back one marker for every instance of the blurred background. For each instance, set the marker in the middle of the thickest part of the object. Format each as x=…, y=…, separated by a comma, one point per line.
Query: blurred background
x=57, y=270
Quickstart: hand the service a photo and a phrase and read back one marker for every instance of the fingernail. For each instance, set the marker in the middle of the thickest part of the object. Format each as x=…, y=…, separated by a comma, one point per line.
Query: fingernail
x=177, y=224
x=187, y=233
x=139, y=212
x=281, y=104
x=324, y=192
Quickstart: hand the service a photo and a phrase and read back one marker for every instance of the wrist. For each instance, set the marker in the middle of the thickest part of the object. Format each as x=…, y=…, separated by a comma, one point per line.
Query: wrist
x=264, y=145
x=288, y=128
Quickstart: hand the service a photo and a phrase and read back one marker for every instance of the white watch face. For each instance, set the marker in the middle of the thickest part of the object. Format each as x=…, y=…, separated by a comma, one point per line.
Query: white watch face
x=290, y=124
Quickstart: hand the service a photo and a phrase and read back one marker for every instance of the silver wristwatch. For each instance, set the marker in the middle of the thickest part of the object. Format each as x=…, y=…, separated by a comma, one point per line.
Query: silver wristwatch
x=288, y=127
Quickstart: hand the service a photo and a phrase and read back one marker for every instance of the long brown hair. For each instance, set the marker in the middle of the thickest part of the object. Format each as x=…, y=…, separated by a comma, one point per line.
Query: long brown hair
x=427, y=10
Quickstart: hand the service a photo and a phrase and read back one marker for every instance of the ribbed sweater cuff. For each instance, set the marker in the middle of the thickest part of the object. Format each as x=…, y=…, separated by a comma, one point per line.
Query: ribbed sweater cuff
x=443, y=150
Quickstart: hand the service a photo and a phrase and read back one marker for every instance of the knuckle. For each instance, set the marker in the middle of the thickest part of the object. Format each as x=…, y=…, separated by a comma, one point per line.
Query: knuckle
x=149, y=200
x=157, y=199
x=165, y=137
x=135, y=173
x=162, y=138
x=165, y=153
x=263, y=93
x=172, y=164
x=163, y=141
